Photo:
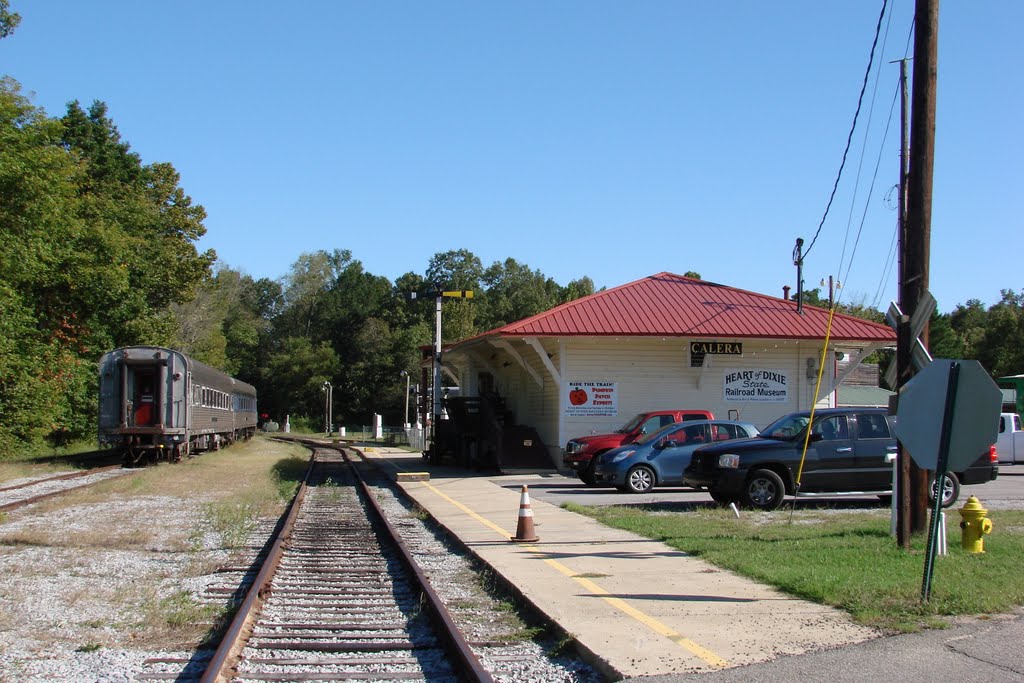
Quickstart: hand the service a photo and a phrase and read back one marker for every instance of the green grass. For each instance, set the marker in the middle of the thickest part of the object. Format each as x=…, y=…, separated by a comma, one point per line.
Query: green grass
x=846, y=559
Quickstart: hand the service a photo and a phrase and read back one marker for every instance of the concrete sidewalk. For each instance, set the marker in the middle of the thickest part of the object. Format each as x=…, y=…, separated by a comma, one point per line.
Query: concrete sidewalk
x=639, y=607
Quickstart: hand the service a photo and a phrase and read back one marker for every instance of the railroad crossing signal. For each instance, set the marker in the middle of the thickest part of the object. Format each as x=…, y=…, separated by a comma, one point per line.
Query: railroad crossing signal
x=919, y=355
x=436, y=293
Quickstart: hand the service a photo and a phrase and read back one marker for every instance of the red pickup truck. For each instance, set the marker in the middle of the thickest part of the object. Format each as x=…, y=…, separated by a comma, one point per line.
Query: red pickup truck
x=580, y=452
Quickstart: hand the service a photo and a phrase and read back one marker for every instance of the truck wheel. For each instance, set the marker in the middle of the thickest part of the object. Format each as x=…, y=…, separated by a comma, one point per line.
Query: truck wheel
x=950, y=490
x=764, y=490
x=640, y=479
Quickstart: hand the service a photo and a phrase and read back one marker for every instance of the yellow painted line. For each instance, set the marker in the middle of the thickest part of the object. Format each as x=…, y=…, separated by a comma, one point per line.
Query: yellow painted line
x=618, y=603
x=486, y=522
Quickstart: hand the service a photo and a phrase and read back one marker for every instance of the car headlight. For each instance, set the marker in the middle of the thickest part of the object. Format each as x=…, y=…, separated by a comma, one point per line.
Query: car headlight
x=623, y=455
x=730, y=460
x=572, y=448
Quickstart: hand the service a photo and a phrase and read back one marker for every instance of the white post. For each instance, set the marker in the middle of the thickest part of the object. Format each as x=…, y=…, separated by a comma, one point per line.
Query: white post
x=378, y=427
x=437, y=360
x=328, y=407
x=406, y=414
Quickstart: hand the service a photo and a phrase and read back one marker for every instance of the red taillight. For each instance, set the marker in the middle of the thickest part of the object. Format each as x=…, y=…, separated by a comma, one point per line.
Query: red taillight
x=992, y=455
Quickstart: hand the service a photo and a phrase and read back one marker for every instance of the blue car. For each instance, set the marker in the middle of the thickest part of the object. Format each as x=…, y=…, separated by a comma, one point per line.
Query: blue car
x=659, y=458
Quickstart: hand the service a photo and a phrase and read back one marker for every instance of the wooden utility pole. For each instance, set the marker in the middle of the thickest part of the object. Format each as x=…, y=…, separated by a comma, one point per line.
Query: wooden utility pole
x=903, y=343
x=917, y=245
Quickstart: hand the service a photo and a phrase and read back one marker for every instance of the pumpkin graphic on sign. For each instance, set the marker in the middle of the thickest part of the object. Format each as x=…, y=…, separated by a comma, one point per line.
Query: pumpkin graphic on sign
x=577, y=397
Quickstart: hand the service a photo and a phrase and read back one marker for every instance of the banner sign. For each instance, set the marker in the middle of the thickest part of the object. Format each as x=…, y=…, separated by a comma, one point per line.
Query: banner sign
x=592, y=398
x=756, y=385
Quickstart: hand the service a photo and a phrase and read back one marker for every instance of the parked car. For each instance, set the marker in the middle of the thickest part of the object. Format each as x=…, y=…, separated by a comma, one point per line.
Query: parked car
x=659, y=458
x=580, y=452
x=846, y=453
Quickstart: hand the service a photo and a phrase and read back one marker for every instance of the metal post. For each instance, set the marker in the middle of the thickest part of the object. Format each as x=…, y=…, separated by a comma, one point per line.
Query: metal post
x=328, y=406
x=437, y=365
x=406, y=375
x=798, y=261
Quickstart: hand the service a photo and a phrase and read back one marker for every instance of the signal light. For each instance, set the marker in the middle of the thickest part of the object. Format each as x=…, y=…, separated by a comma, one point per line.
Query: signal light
x=993, y=456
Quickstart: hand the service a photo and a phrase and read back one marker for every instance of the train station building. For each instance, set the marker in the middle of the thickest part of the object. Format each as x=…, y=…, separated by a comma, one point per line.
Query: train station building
x=661, y=342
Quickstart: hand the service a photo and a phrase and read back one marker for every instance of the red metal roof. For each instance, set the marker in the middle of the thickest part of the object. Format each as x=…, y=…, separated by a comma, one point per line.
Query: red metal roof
x=672, y=305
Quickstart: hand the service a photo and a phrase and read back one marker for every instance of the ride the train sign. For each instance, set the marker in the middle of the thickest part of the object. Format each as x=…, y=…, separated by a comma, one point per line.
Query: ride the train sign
x=591, y=398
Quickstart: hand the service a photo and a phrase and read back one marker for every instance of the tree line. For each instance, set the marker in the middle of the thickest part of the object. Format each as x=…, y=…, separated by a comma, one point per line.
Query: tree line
x=99, y=251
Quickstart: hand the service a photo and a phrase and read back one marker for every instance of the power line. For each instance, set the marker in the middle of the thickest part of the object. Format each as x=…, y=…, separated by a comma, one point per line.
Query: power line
x=853, y=127
x=860, y=167
x=874, y=178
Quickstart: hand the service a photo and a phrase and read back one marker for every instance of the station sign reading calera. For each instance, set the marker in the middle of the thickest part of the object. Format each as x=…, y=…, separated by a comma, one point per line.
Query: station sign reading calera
x=699, y=349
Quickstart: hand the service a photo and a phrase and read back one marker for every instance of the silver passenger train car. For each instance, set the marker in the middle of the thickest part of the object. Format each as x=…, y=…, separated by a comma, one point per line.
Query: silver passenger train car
x=159, y=404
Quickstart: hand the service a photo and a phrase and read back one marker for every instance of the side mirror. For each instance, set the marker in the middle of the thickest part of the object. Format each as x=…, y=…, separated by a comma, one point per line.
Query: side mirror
x=816, y=437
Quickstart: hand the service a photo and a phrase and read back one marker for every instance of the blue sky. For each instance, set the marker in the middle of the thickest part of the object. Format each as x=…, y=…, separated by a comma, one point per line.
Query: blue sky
x=608, y=139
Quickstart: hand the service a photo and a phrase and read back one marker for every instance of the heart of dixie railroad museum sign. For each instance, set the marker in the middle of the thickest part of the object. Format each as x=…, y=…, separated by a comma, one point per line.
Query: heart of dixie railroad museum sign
x=756, y=385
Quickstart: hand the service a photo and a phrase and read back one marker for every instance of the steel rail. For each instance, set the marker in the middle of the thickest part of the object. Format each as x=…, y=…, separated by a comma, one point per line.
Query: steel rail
x=59, y=477
x=466, y=661
x=43, y=496
x=230, y=646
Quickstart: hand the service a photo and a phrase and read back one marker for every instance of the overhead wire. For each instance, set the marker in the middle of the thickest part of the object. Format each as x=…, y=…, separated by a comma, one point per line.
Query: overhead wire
x=883, y=280
x=853, y=127
x=860, y=167
x=871, y=188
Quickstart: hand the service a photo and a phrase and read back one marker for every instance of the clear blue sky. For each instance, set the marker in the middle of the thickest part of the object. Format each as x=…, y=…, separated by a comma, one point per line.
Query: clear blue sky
x=608, y=139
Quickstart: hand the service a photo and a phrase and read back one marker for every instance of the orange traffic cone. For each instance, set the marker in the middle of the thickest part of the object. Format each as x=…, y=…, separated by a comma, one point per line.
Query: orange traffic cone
x=524, y=529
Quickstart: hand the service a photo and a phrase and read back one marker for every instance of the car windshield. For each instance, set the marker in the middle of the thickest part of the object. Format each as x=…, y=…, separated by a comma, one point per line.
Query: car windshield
x=785, y=428
x=657, y=433
x=633, y=423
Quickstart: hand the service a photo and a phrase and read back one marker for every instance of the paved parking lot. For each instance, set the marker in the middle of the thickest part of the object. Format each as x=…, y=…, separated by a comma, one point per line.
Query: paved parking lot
x=1006, y=493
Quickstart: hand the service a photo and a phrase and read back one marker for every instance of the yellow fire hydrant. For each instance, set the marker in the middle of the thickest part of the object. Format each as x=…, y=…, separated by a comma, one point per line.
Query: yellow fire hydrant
x=975, y=525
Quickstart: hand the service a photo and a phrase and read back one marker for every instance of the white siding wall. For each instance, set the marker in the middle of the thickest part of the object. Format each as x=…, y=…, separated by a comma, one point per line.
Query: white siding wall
x=655, y=374
x=650, y=374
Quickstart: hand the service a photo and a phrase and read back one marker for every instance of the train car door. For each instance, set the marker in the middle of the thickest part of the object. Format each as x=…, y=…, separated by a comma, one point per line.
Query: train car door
x=144, y=398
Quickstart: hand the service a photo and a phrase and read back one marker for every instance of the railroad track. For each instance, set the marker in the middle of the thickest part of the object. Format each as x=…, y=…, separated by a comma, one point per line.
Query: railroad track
x=339, y=597
x=35, y=490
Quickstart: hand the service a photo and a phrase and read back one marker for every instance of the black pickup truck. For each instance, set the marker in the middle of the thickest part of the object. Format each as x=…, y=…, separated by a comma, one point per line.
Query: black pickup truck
x=846, y=453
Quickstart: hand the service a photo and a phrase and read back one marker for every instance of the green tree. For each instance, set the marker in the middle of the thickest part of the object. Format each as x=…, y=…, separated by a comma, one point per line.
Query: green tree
x=47, y=298
x=1001, y=347
x=249, y=325
x=8, y=20
x=968, y=321
x=513, y=292
x=145, y=228
x=294, y=377
x=96, y=247
x=576, y=289
x=942, y=339
x=452, y=270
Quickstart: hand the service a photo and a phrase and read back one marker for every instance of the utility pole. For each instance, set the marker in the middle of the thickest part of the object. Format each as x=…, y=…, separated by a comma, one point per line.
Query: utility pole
x=798, y=261
x=833, y=285
x=916, y=247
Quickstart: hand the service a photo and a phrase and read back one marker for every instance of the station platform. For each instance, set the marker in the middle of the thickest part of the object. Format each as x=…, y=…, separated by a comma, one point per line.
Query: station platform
x=635, y=607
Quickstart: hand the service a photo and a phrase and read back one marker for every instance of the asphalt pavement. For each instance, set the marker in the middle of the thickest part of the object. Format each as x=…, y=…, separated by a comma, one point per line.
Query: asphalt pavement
x=972, y=649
